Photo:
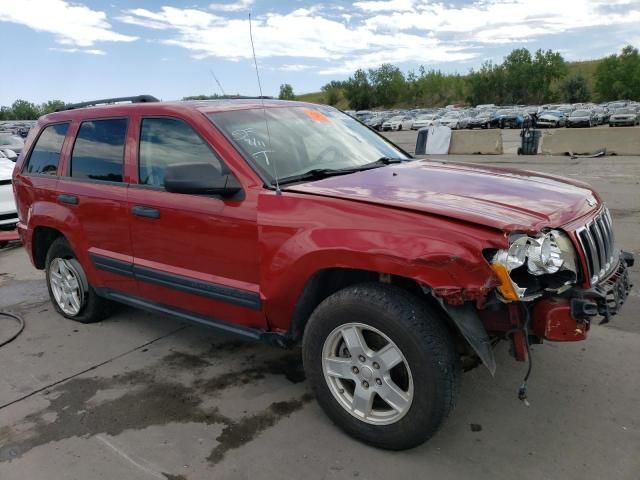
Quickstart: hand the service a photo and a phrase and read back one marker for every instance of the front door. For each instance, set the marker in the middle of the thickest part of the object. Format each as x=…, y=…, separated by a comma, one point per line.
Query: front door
x=194, y=253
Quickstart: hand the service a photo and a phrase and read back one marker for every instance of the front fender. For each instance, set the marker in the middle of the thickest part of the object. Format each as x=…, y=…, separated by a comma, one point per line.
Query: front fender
x=303, y=234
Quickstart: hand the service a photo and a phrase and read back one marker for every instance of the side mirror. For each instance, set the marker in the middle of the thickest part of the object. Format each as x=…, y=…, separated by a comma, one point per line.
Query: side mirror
x=199, y=178
x=10, y=154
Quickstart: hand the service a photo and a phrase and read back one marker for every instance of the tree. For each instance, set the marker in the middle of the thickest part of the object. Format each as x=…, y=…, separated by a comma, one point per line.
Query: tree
x=358, y=91
x=51, y=106
x=548, y=68
x=23, y=110
x=486, y=85
x=617, y=76
x=286, y=92
x=332, y=92
x=388, y=85
x=575, y=89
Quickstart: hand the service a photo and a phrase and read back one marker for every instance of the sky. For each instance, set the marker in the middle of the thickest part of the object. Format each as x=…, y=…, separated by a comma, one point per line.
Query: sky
x=86, y=49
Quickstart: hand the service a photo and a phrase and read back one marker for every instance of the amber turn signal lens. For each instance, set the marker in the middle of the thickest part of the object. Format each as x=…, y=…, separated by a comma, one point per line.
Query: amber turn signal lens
x=506, y=288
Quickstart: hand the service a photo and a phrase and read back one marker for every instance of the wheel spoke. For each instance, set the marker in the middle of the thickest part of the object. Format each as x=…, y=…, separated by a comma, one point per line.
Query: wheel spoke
x=355, y=341
x=393, y=395
x=74, y=301
x=388, y=357
x=73, y=283
x=338, y=367
x=62, y=268
x=362, y=401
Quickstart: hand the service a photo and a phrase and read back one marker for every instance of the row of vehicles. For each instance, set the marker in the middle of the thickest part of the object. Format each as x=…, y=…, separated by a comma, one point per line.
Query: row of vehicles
x=17, y=127
x=620, y=113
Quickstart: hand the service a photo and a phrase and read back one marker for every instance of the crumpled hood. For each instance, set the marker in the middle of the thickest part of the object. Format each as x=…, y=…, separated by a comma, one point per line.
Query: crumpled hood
x=500, y=198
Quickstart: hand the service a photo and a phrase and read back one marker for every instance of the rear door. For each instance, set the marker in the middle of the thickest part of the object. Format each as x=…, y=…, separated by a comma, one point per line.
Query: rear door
x=193, y=253
x=94, y=190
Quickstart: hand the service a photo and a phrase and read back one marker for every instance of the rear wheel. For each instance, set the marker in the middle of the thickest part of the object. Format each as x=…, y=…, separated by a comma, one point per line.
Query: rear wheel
x=382, y=365
x=69, y=290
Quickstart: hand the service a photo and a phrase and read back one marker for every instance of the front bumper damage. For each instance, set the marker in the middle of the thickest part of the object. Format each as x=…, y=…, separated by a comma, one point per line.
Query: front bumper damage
x=567, y=318
x=557, y=318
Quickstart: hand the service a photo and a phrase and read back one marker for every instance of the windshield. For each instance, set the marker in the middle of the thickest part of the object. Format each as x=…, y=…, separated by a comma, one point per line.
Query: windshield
x=624, y=111
x=302, y=139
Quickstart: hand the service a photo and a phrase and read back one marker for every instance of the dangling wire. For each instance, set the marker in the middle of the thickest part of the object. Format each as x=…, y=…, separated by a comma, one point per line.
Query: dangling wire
x=264, y=110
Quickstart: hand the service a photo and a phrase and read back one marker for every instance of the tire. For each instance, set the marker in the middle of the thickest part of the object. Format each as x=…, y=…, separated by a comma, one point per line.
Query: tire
x=90, y=307
x=429, y=371
x=399, y=127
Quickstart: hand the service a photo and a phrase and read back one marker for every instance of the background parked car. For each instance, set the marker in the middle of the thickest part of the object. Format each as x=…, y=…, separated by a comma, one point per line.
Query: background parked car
x=482, y=120
x=451, y=119
x=399, y=122
x=425, y=120
x=11, y=142
x=8, y=212
x=551, y=119
x=624, y=117
x=581, y=118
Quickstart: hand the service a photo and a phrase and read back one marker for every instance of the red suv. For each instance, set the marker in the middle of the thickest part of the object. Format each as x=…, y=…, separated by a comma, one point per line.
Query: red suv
x=287, y=222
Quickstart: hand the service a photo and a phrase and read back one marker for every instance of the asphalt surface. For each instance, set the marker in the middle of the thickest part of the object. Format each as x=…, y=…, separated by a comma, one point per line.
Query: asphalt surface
x=140, y=396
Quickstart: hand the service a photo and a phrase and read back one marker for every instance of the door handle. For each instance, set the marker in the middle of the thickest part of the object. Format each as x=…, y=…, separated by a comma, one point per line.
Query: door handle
x=147, y=212
x=69, y=199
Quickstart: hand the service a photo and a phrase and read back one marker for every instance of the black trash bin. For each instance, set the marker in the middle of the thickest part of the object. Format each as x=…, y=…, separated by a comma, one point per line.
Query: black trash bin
x=530, y=141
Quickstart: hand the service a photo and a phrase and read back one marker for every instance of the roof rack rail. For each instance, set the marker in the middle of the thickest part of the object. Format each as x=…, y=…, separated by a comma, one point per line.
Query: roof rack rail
x=106, y=101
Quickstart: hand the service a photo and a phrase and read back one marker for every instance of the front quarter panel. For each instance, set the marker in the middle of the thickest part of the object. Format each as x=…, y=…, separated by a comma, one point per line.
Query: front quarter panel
x=302, y=234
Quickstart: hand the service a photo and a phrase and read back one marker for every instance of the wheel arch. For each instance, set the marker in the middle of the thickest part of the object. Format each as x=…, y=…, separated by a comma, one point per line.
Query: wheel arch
x=43, y=237
x=462, y=321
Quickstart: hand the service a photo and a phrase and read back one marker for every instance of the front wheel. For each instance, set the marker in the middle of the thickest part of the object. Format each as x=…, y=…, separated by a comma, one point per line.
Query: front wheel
x=382, y=365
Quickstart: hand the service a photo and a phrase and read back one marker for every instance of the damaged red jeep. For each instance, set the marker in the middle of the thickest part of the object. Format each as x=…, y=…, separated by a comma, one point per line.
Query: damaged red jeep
x=290, y=222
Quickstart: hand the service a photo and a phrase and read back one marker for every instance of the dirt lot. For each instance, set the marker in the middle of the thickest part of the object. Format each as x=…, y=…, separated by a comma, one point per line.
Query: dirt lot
x=140, y=396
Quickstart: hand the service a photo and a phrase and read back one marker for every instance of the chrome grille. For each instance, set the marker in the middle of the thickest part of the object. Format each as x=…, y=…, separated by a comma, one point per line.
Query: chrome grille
x=598, y=243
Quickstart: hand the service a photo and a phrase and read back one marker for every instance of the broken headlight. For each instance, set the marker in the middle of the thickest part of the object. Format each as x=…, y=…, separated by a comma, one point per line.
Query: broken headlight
x=532, y=265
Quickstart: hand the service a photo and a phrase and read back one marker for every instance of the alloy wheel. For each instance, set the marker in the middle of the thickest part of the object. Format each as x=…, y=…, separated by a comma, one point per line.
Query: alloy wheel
x=66, y=286
x=367, y=374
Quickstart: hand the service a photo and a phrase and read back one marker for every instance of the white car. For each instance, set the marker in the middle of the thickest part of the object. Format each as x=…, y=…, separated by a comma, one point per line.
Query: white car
x=399, y=122
x=423, y=121
x=8, y=211
x=451, y=120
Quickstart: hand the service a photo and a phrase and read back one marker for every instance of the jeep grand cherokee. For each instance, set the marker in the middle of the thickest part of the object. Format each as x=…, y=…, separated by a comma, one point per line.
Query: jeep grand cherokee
x=291, y=222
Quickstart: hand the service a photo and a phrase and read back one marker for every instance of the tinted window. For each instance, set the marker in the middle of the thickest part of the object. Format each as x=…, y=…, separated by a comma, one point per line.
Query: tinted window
x=165, y=141
x=46, y=153
x=99, y=150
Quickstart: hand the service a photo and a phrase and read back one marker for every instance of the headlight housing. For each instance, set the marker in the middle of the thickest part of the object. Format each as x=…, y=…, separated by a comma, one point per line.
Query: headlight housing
x=533, y=265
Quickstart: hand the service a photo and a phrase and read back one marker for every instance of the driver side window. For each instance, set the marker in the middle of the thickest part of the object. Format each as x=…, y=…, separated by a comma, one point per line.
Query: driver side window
x=167, y=141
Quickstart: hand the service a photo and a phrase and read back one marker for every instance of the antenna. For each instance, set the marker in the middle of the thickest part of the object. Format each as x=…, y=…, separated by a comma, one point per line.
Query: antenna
x=264, y=110
x=218, y=82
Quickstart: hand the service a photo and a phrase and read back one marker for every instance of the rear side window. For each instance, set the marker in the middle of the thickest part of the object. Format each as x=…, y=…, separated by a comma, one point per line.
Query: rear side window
x=46, y=152
x=165, y=141
x=98, y=153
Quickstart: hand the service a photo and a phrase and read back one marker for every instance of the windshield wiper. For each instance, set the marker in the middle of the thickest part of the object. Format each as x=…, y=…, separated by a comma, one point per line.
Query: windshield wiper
x=320, y=173
x=315, y=174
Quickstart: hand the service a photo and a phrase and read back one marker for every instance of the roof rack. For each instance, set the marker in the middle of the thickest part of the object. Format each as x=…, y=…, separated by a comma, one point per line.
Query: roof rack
x=105, y=101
